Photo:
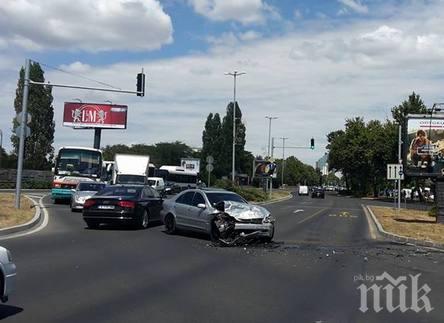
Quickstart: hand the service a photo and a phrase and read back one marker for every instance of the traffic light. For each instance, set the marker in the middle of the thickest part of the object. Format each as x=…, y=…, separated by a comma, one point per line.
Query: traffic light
x=141, y=84
x=312, y=143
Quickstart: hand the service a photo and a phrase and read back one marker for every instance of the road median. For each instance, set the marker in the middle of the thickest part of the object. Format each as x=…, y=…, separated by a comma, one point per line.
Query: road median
x=408, y=226
x=14, y=220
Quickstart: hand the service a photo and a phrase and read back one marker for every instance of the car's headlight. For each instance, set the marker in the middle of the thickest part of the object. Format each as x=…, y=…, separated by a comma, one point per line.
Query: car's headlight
x=268, y=219
x=9, y=255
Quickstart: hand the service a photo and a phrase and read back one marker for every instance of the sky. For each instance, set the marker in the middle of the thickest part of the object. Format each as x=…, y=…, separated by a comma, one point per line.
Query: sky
x=311, y=63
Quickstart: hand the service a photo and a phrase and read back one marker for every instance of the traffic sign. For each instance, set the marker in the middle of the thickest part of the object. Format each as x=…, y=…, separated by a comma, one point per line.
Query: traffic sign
x=18, y=131
x=210, y=159
x=20, y=116
x=209, y=168
x=395, y=172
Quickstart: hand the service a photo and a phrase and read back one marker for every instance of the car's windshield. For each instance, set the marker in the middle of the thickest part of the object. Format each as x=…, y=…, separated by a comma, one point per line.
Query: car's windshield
x=224, y=196
x=130, y=191
x=91, y=186
x=151, y=182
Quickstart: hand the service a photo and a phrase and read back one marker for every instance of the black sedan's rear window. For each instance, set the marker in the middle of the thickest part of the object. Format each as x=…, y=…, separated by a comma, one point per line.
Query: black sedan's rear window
x=121, y=191
x=91, y=186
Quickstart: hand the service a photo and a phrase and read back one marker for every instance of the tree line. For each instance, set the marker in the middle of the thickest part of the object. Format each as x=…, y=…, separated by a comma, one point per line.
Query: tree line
x=362, y=150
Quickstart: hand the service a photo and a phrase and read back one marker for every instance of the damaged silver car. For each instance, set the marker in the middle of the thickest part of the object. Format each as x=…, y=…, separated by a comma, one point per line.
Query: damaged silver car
x=224, y=215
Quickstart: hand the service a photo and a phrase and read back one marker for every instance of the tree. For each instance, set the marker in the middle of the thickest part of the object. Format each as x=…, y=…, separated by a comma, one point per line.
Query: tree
x=227, y=140
x=39, y=151
x=413, y=105
x=211, y=143
x=164, y=153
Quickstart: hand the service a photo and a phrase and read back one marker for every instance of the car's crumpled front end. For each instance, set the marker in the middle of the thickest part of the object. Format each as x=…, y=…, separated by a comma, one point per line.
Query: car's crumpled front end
x=241, y=221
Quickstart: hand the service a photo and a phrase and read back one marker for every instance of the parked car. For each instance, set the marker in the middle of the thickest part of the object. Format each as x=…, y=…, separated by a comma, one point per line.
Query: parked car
x=318, y=192
x=303, y=190
x=199, y=210
x=8, y=273
x=83, y=191
x=137, y=205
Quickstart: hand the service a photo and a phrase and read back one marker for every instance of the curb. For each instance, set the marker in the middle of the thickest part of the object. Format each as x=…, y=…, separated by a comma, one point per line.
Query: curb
x=402, y=239
x=26, y=226
x=275, y=201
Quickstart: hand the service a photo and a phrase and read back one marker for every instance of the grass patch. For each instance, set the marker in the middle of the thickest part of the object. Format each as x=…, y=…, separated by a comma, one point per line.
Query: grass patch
x=9, y=215
x=410, y=223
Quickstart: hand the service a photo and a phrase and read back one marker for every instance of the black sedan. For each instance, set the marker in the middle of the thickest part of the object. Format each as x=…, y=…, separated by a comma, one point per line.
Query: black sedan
x=137, y=205
x=318, y=192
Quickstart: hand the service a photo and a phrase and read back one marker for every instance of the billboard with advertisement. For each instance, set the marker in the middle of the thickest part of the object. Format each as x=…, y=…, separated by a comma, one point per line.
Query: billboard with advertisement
x=192, y=164
x=264, y=168
x=95, y=115
x=424, y=146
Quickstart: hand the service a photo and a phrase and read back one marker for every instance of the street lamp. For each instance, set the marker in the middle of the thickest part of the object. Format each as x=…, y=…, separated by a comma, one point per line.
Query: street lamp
x=269, y=132
x=235, y=74
x=283, y=159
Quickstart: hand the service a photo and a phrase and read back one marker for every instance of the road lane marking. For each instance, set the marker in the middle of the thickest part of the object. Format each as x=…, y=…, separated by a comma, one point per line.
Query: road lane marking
x=298, y=210
x=311, y=216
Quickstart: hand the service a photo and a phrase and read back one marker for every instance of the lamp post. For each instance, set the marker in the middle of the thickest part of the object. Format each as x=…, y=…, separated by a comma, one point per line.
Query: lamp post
x=269, y=133
x=235, y=74
x=283, y=159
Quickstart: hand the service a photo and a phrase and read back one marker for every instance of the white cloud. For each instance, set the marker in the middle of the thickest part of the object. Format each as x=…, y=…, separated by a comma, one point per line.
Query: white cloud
x=243, y=11
x=354, y=5
x=91, y=25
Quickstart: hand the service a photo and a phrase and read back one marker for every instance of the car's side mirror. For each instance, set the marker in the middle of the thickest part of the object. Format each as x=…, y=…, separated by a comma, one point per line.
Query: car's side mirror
x=201, y=206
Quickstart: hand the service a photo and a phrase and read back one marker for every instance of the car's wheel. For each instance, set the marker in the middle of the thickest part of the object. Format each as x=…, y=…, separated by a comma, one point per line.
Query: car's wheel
x=92, y=224
x=170, y=224
x=2, y=289
x=144, y=220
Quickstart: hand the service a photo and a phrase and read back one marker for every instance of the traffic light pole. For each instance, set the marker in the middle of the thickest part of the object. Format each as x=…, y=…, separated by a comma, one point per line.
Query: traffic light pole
x=97, y=134
x=18, y=184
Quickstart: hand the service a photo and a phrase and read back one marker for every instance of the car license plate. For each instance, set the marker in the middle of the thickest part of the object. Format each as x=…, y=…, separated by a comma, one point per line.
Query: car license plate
x=106, y=207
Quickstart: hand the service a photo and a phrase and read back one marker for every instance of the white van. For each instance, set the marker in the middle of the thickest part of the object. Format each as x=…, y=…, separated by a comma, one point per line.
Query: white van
x=157, y=183
x=303, y=190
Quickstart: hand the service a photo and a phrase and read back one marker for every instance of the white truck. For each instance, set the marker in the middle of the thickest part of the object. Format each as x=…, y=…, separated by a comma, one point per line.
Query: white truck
x=130, y=169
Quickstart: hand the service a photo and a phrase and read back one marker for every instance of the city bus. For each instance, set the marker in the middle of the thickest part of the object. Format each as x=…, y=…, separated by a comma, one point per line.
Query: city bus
x=177, y=178
x=72, y=165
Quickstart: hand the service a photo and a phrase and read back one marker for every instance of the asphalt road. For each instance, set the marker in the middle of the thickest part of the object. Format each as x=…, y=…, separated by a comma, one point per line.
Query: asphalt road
x=311, y=273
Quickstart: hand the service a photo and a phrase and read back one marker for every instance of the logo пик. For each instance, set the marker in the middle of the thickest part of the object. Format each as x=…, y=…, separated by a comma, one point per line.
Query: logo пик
x=411, y=296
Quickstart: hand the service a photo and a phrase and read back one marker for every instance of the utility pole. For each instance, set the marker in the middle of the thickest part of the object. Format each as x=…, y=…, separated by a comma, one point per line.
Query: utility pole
x=235, y=74
x=18, y=184
x=283, y=159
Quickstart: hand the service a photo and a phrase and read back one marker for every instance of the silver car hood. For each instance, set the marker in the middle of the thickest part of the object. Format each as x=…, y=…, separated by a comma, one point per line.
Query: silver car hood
x=243, y=211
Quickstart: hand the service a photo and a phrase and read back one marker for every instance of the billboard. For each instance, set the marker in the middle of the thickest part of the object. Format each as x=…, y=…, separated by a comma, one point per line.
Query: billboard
x=94, y=115
x=192, y=164
x=424, y=146
x=264, y=168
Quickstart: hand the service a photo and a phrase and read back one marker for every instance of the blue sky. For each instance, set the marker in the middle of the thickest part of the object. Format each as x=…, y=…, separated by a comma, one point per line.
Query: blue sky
x=312, y=63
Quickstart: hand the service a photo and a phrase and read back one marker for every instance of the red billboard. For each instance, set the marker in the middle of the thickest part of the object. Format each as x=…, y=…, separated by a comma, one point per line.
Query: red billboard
x=94, y=115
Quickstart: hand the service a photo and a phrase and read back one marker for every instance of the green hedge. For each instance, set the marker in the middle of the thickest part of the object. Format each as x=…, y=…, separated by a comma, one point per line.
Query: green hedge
x=248, y=193
x=34, y=184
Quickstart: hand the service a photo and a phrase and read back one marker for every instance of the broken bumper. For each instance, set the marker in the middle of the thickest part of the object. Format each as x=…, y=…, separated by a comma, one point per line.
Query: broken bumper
x=261, y=230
